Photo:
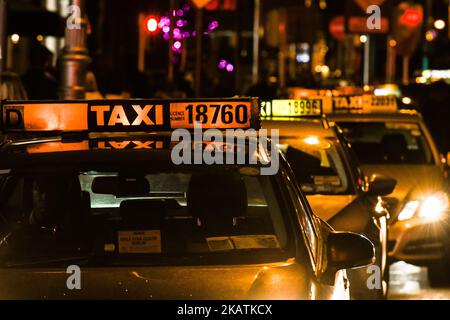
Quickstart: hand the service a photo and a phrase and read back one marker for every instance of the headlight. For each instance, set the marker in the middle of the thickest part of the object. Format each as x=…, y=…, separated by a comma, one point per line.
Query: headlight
x=409, y=210
x=430, y=208
x=434, y=206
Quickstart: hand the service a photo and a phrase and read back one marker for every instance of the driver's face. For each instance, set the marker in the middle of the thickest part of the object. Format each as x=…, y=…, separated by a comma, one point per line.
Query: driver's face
x=46, y=200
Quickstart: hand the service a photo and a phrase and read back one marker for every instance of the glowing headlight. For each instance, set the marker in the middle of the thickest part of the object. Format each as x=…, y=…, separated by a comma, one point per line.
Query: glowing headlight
x=431, y=208
x=409, y=210
x=406, y=100
x=434, y=206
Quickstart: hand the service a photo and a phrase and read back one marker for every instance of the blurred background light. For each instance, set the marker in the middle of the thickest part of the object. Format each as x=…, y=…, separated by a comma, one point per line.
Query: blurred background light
x=15, y=38
x=439, y=24
x=152, y=24
x=302, y=58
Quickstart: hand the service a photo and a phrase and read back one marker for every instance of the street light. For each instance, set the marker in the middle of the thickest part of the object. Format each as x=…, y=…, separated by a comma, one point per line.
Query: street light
x=15, y=38
x=439, y=24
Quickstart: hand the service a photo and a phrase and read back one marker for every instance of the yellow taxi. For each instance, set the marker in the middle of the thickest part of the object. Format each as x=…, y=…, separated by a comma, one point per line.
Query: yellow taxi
x=158, y=199
x=335, y=187
x=397, y=143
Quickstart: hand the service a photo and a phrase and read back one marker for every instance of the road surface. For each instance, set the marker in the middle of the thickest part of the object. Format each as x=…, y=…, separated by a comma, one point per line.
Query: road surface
x=410, y=282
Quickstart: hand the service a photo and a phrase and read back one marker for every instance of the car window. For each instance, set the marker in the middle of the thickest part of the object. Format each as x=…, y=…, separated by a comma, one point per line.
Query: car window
x=305, y=219
x=168, y=218
x=357, y=176
x=388, y=142
x=317, y=165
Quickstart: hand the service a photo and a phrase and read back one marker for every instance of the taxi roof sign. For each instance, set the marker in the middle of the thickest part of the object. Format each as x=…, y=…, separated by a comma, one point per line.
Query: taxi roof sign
x=366, y=103
x=292, y=107
x=134, y=115
x=318, y=105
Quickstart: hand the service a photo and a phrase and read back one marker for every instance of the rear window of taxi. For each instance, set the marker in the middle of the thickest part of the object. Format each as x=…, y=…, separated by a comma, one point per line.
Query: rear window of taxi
x=317, y=164
x=162, y=219
x=388, y=142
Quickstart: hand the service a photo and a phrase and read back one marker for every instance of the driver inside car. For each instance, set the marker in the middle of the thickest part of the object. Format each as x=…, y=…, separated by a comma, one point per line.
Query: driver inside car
x=52, y=215
x=47, y=198
x=55, y=202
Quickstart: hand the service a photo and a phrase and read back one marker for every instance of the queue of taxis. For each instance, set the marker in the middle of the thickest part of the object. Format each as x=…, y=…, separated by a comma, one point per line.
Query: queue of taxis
x=335, y=187
x=128, y=199
x=397, y=143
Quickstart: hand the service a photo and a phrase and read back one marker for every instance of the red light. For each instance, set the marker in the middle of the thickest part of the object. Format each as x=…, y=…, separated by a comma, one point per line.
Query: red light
x=411, y=17
x=152, y=24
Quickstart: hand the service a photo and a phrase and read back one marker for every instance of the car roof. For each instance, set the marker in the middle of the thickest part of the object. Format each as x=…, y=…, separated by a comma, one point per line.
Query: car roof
x=118, y=148
x=401, y=115
x=301, y=127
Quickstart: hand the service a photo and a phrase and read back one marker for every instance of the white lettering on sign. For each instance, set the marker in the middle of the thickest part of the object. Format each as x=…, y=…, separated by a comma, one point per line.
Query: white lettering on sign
x=119, y=116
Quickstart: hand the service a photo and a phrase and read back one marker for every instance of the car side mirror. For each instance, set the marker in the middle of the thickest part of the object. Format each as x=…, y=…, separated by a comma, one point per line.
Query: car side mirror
x=346, y=250
x=342, y=250
x=380, y=185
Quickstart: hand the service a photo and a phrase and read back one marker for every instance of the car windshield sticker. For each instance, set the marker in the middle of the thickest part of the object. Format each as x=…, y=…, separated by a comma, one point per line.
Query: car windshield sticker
x=140, y=241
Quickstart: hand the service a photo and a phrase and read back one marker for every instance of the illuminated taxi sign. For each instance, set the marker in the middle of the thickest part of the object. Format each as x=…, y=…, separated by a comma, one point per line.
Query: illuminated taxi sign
x=106, y=117
x=98, y=144
x=31, y=116
x=364, y=104
x=292, y=108
x=347, y=104
x=129, y=115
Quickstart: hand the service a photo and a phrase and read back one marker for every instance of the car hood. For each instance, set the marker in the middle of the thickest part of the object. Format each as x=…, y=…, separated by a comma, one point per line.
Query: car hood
x=327, y=206
x=410, y=178
x=196, y=282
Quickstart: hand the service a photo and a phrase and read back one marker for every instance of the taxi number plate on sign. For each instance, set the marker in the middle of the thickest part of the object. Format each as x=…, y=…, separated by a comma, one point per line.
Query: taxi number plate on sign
x=302, y=107
x=382, y=101
x=212, y=115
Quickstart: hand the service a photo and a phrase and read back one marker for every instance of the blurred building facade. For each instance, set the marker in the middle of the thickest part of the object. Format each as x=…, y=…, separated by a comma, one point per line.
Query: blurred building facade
x=299, y=44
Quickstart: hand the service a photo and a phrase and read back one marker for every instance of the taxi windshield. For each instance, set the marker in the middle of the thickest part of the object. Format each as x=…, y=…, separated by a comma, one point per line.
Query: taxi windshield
x=175, y=217
x=317, y=164
x=388, y=142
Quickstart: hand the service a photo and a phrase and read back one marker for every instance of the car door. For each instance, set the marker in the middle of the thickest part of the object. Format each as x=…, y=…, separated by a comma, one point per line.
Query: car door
x=314, y=240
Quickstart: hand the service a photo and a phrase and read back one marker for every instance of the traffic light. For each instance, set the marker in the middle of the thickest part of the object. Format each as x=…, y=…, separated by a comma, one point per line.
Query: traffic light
x=151, y=24
x=407, y=27
x=148, y=26
x=411, y=17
